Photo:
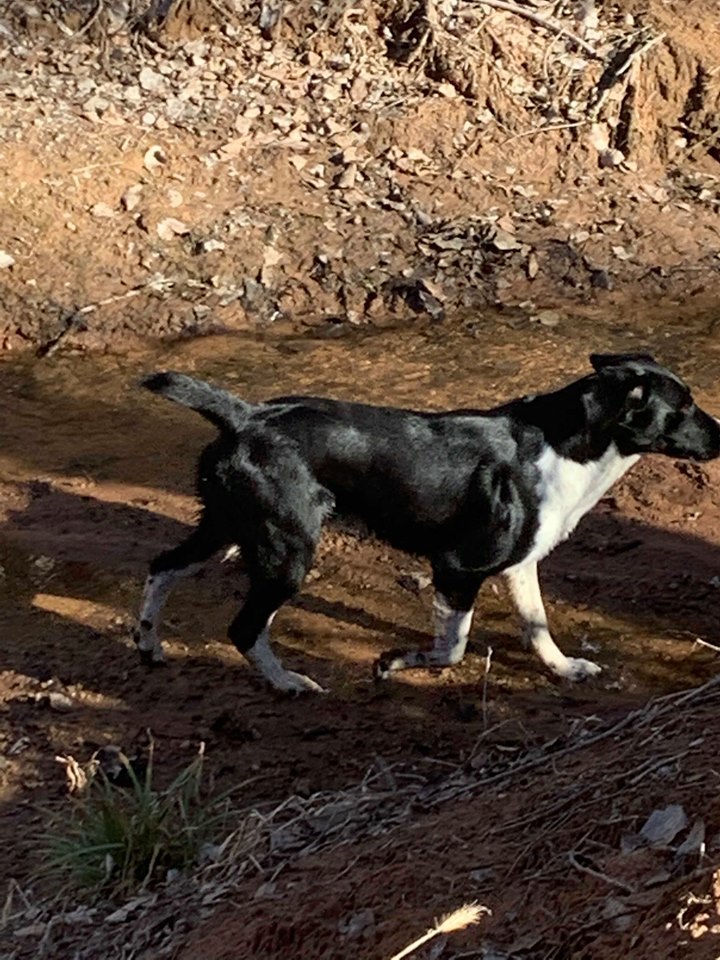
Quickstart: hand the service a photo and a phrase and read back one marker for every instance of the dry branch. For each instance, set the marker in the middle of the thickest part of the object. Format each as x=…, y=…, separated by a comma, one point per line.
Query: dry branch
x=543, y=22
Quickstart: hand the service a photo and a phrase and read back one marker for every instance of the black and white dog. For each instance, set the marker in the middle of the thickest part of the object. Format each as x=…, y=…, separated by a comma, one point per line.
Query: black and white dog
x=476, y=492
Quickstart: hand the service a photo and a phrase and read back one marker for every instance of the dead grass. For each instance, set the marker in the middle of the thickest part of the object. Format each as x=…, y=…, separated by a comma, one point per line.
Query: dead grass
x=595, y=768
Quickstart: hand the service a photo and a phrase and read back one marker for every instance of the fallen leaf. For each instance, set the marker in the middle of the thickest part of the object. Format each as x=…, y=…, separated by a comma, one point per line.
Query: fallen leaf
x=131, y=197
x=662, y=826
x=154, y=158
x=233, y=148
x=504, y=241
x=347, y=177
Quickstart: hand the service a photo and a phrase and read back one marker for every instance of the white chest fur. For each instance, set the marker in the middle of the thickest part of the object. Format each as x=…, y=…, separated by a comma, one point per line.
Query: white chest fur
x=567, y=490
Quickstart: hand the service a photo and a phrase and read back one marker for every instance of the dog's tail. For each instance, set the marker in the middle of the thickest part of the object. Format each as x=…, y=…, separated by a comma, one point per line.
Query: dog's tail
x=221, y=408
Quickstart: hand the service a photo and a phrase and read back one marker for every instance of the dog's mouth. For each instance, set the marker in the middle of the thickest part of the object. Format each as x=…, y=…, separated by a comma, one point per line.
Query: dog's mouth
x=672, y=449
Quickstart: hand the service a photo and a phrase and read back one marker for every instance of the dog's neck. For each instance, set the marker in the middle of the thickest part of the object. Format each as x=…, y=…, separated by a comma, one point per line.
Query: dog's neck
x=576, y=420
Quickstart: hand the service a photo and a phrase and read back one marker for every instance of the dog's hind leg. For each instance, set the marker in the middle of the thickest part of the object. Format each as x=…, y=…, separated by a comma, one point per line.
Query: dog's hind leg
x=165, y=570
x=250, y=630
x=452, y=617
x=525, y=591
x=277, y=556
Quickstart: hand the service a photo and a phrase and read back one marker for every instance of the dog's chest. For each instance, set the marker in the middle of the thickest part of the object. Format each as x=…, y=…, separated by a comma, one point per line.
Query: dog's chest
x=567, y=490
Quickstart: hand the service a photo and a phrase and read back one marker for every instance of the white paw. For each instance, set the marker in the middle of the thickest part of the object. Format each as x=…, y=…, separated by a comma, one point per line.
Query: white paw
x=149, y=648
x=575, y=669
x=296, y=683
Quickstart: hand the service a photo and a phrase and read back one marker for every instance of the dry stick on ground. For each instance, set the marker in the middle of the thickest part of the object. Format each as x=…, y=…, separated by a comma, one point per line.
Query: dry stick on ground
x=613, y=881
x=542, y=22
x=458, y=920
x=488, y=660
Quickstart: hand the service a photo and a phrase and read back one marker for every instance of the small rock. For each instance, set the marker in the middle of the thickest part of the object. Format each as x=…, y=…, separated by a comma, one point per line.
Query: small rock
x=601, y=280
x=447, y=90
x=59, y=702
x=151, y=81
x=210, y=246
x=611, y=158
x=169, y=228
x=102, y=210
x=548, y=318
x=6, y=260
x=358, y=925
x=94, y=108
x=482, y=874
x=504, y=241
x=131, y=197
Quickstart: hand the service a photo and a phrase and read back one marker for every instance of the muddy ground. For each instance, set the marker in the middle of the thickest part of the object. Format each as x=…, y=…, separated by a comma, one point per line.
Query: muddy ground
x=277, y=280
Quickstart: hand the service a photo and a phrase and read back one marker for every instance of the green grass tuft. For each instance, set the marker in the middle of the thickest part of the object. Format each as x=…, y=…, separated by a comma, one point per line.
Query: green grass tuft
x=118, y=841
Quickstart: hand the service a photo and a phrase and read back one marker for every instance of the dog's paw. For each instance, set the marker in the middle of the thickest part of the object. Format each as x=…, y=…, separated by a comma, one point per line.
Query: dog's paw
x=296, y=684
x=394, y=660
x=151, y=653
x=576, y=669
x=152, y=658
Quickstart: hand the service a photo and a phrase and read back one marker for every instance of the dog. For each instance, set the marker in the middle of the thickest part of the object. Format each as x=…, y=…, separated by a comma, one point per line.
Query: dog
x=476, y=492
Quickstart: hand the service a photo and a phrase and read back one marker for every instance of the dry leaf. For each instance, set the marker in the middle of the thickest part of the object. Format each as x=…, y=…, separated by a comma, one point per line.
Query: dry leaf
x=131, y=197
x=233, y=148
x=347, y=177
x=154, y=158
x=271, y=257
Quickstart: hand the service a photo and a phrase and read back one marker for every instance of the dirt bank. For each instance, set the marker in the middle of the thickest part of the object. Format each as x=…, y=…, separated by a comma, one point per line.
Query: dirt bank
x=366, y=168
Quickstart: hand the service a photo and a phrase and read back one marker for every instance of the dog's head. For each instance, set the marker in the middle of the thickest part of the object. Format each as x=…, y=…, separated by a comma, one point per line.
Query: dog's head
x=652, y=410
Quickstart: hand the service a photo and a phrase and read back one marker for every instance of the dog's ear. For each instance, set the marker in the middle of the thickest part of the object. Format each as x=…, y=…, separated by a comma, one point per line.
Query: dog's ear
x=624, y=376
x=609, y=362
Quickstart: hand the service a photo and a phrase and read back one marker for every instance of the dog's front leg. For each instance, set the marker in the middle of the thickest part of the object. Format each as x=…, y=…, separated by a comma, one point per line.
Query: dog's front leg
x=452, y=628
x=525, y=591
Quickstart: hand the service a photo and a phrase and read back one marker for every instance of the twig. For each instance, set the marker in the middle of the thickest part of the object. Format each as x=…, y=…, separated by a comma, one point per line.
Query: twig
x=598, y=875
x=488, y=658
x=458, y=920
x=619, y=65
x=542, y=22
x=704, y=643
x=570, y=125
x=92, y=19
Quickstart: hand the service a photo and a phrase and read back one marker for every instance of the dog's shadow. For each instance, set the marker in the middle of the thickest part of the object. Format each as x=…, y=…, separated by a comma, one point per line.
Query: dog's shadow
x=98, y=551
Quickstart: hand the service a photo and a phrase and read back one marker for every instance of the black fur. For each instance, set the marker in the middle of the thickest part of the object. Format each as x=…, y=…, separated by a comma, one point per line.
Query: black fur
x=460, y=488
